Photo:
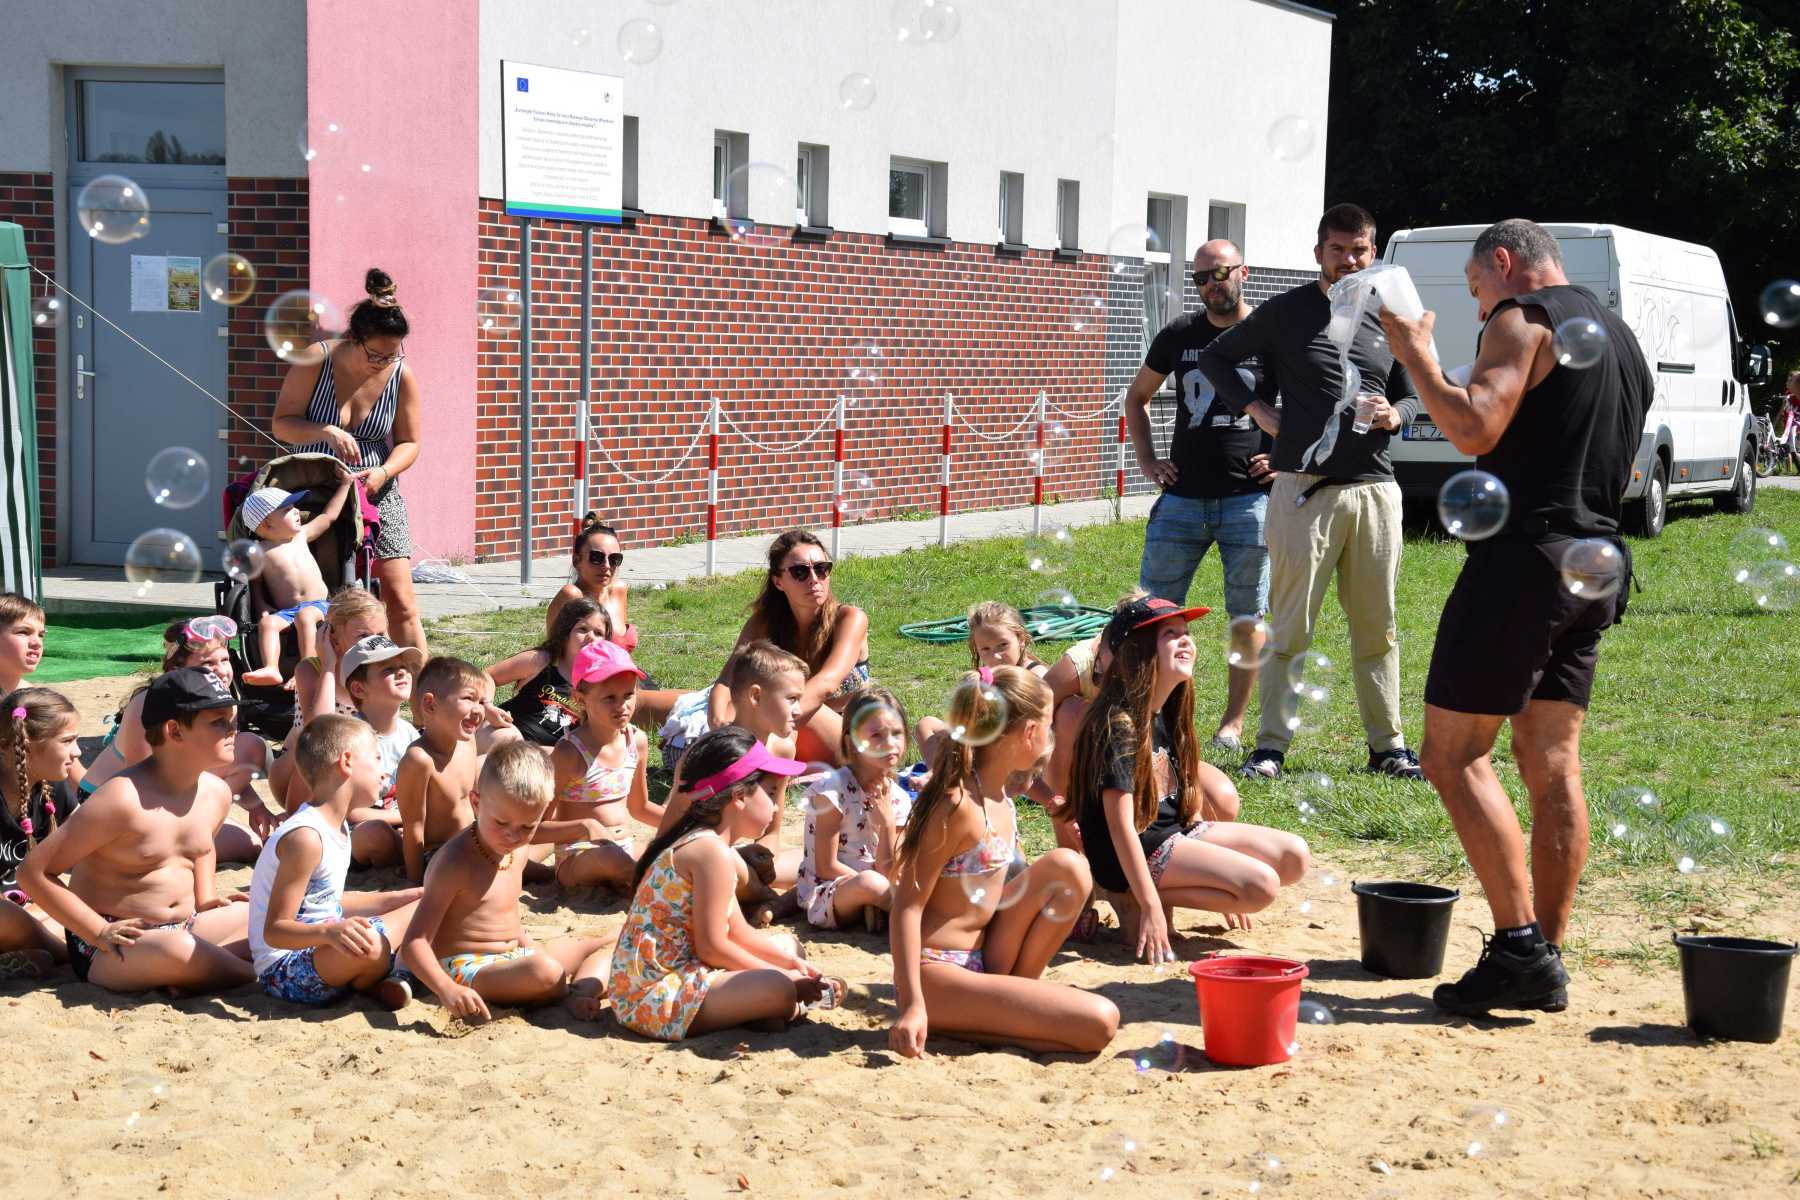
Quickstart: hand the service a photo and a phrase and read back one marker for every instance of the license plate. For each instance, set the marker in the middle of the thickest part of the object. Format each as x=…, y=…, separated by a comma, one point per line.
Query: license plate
x=1417, y=432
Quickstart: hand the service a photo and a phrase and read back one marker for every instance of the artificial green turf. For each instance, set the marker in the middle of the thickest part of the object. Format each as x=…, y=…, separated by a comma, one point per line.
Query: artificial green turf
x=89, y=645
x=1697, y=697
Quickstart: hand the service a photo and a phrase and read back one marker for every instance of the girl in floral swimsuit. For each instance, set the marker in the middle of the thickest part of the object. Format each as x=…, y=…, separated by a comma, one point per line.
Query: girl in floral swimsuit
x=687, y=962
x=967, y=960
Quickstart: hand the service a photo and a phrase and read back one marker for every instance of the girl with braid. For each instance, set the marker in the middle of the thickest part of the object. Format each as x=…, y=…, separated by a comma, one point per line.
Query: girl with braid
x=37, y=746
x=970, y=947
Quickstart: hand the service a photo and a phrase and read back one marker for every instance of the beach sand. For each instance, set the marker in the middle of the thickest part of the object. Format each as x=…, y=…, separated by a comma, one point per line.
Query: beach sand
x=242, y=1095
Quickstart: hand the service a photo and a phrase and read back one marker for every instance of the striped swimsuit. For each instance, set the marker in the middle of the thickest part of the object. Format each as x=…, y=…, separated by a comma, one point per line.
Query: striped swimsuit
x=372, y=437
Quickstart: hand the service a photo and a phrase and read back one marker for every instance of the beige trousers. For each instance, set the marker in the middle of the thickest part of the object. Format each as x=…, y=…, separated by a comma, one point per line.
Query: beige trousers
x=1352, y=530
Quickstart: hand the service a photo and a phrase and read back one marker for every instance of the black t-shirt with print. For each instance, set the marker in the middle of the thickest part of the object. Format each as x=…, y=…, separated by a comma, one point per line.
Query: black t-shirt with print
x=1212, y=443
x=13, y=842
x=1120, y=772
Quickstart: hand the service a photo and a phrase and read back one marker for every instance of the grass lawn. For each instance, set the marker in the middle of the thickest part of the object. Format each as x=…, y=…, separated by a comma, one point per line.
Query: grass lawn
x=1697, y=698
x=90, y=645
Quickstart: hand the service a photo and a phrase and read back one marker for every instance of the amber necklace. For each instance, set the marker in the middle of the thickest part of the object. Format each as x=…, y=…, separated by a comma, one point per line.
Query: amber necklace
x=500, y=864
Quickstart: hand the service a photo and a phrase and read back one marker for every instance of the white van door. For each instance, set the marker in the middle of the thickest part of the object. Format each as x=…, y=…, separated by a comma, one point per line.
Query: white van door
x=1660, y=317
x=1718, y=417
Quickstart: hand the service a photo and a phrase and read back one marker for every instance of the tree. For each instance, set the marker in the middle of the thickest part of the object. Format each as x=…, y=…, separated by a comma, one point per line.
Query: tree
x=1678, y=117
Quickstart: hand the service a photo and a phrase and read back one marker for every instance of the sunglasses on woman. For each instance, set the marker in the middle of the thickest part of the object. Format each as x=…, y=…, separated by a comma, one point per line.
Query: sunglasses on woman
x=799, y=572
x=600, y=558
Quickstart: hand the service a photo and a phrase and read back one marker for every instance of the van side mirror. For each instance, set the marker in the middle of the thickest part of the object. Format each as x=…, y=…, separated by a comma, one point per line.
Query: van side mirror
x=1754, y=364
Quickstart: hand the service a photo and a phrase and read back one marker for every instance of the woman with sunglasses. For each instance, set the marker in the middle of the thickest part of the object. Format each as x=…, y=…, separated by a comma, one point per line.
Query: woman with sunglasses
x=203, y=642
x=596, y=559
x=361, y=405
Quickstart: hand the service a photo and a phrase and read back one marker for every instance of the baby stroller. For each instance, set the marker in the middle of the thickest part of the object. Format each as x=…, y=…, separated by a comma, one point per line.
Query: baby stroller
x=344, y=554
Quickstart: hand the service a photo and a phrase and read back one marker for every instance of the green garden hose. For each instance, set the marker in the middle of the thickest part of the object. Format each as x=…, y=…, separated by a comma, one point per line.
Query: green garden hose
x=1047, y=623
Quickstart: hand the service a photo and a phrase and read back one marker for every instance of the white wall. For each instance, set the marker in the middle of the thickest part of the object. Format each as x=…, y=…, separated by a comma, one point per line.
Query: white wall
x=1108, y=92
x=261, y=44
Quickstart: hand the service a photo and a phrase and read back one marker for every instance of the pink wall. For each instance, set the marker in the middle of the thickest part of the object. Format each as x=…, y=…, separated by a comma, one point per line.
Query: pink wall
x=399, y=79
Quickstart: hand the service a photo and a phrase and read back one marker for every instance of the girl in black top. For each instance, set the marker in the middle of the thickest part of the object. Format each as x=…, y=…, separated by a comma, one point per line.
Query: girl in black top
x=1155, y=820
x=37, y=746
x=542, y=707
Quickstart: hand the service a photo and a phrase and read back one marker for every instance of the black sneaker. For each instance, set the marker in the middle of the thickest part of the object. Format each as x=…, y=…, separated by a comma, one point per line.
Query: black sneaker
x=1263, y=764
x=1401, y=764
x=1504, y=980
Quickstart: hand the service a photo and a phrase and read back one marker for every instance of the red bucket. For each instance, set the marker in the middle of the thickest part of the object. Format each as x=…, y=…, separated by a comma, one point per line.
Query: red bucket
x=1249, y=1006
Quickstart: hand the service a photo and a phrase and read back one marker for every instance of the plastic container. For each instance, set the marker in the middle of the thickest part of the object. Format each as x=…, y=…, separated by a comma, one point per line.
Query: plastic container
x=1404, y=927
x=1249, y=1005
x=1395, y=287
x=1735, y=989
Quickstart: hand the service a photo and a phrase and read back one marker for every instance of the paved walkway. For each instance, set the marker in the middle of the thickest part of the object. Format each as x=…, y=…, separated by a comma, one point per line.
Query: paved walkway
x=492, y=586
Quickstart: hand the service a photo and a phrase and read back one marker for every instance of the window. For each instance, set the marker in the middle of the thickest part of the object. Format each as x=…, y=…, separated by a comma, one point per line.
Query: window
x=721, y=157
x=1159, y=242
x=731, y=193
x=909, y=198
x=139, y=122
x=1012, y=207
x=812, y=186
x=1225, y=220
x=1068, y=214
x=628, y=181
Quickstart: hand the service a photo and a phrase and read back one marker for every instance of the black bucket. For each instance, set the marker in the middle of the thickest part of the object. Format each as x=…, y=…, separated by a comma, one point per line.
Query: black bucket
x=1735, y=988
x=1404, y=926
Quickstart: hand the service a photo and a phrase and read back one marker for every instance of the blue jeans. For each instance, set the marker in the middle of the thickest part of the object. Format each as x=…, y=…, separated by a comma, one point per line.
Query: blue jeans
x=1179, y=533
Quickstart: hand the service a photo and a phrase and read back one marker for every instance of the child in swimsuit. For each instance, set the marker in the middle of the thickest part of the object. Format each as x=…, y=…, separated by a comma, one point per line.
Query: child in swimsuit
x=854, y=816
x=543, y=705
x=601, y=774
x=466, y=942
x=37, y=744
x=687, y=961
x=969, y=946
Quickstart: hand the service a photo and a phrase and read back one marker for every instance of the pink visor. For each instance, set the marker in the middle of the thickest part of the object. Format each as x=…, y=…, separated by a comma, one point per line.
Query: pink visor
x=758, y=759
x=601, y=660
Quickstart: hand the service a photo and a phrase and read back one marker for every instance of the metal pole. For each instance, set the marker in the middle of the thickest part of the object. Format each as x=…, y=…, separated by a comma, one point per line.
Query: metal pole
x=525, y=401
x=587, y=371
x=944, y=482
x=1037, y=483
x=837, y=481
x=712, y=488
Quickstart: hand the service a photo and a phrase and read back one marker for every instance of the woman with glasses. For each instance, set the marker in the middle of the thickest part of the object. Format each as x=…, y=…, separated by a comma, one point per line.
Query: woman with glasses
x=360, y=404
x=595, y=560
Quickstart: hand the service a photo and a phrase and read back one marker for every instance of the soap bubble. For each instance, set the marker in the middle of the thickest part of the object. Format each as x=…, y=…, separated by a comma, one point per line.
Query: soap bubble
x=1753, y=547
x=297, y=321
x=1248, y=644
x=1168, y=1054
x=640, y=41
x=113, y=209
x=1049, y=551
x=1628, y=815
x=228, y=278
x=177, y=477
x=856, y=92
x=1473, y=505
x=1313, y=1012
x=864, y=365
x=1701, y=840
x=161, y=556
x=1488, y=1130
x=978, y=712
x=1325, y=881
x=763, y=202
x=498, y=309
x=243, y=560
x=1291, y=138
x=1128, y=244
x=924, y=22
x=1593, y=568
x=1314, y=795
x=877, y=730
x=47, y=311
x=1090, y=313
x=1060, y=600
x=581, y=38
x=858, y=499
x=1058, y=902
x=1307, y=698
x=1266, y=1173
x=1781, y=304
x=1774, y=586
x=1579, y=342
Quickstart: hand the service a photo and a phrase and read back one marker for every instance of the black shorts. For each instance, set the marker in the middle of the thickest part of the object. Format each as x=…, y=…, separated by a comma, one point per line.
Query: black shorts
x=1512, y=632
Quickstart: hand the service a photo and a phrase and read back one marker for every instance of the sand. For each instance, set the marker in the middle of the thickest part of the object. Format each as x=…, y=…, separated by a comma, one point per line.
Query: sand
x=1611, y=1098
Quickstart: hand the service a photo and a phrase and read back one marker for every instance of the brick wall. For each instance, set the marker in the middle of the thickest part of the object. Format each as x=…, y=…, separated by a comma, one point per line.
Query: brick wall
x=268, y=219
x=29, y=200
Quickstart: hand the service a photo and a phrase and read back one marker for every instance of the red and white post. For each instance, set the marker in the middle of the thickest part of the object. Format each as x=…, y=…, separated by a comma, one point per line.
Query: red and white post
x=944, y=481
x=1119, y=472
x=712, y=487
x=1037, y=474
x=837, y=480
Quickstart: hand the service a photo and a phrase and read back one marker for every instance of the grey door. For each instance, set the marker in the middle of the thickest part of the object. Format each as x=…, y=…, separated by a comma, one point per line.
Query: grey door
x=125, y=405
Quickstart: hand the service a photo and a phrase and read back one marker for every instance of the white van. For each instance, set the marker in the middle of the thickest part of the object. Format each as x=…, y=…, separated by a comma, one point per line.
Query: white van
x=1699, y=438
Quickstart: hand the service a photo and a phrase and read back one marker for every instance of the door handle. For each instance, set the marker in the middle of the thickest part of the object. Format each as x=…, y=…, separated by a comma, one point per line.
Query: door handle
x=81, y=374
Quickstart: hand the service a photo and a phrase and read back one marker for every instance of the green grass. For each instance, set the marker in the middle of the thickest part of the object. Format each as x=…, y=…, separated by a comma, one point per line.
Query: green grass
x=1697, y=698
x=90, y=645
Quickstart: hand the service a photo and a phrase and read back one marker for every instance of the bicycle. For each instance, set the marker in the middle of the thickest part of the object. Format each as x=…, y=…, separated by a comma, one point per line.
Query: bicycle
x=1774, y=450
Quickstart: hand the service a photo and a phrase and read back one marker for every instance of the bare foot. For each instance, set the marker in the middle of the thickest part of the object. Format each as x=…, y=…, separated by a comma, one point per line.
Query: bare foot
x=269, y=676
x=393, y=993
x=26, y=964
x=586, y=1000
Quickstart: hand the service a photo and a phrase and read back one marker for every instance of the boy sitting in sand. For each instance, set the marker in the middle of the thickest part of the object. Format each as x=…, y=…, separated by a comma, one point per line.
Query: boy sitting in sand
x=290, y=575
x=466, y=941
x=139, y=910
x=312, y=943
x=378, y=677
x=435, y=782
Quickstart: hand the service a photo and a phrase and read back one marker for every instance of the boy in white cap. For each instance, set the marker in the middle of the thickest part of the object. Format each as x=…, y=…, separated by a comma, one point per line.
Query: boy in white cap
x=378, y=676
x=290, y=576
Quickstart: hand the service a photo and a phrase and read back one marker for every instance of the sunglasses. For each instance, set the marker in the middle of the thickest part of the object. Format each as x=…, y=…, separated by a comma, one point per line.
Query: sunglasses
x=799, y=572
x=1216, y=275
x=600, y=558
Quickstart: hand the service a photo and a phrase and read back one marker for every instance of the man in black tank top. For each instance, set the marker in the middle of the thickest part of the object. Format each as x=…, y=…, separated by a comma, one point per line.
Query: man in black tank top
x=1514, y=642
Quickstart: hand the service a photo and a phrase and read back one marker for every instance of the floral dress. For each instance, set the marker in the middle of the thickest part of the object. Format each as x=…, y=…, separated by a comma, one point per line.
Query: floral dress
x=858, y=839
x=658, y=981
